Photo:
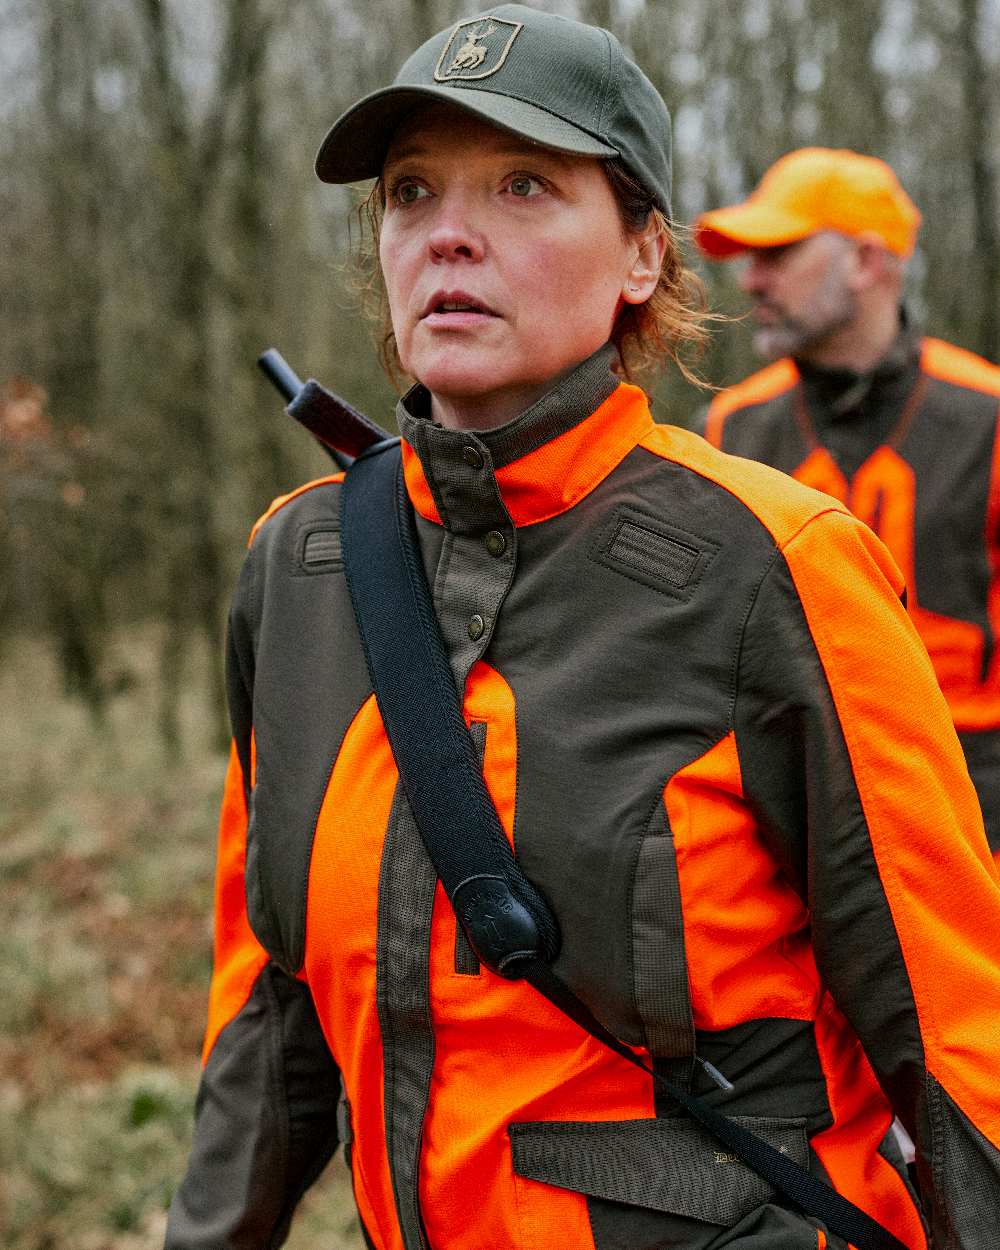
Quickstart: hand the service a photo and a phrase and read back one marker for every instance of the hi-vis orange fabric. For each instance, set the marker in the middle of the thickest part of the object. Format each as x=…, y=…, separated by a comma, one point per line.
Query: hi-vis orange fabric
x=716, y=744
x=238, y=956
x=723, y=901
x=930, y=489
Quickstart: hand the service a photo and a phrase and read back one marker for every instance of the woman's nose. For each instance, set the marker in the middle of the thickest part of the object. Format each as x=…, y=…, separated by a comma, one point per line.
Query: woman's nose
x=455, y=235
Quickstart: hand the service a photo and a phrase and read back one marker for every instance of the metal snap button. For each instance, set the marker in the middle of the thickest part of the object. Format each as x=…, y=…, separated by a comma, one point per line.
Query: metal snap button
x=495, y=542
x=477, y=627
x=472, y=456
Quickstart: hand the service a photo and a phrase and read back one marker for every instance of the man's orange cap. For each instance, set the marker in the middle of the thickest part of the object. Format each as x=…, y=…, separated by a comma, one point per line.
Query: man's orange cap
x=809, y=190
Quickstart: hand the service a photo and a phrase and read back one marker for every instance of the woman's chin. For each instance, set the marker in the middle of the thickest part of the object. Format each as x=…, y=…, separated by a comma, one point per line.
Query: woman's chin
x=464, y=375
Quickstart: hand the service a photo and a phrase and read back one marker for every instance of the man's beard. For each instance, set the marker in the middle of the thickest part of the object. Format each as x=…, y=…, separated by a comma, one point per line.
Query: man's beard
x=833, y=308
x=787, y=337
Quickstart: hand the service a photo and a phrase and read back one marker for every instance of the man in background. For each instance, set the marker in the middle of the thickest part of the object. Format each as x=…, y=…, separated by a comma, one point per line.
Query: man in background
x=900, y=428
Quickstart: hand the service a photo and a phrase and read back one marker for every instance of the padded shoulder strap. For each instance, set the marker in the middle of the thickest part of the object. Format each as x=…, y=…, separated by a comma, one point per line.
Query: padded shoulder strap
x=506, y=918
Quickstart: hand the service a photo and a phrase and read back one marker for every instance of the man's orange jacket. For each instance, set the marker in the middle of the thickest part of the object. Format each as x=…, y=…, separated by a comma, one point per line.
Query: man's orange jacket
x=911, y=449
x=717, y=746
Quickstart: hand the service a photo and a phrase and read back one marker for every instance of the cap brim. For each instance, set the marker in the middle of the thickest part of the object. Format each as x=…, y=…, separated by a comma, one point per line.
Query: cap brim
x=726, y=232
x=356, y=145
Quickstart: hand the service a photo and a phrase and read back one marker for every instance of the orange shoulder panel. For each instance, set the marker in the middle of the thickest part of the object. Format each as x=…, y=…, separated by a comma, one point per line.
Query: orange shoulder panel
x=781, y=504
x=757, y=389
x=279, y=503
x=954, y=364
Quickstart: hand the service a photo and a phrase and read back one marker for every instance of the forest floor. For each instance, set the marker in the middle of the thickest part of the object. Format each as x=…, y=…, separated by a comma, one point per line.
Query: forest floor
x=106, y=857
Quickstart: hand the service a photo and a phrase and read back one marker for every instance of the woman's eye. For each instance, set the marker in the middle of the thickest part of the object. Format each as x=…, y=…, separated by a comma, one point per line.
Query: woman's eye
x=523, y=185
x=408, y=192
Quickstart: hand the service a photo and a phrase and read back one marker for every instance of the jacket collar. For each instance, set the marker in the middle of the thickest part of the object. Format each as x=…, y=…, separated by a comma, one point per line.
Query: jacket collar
x=835, y=394
x=543, y=462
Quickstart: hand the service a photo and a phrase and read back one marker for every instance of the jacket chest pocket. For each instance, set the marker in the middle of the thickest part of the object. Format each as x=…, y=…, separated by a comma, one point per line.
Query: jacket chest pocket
x=663, y=1183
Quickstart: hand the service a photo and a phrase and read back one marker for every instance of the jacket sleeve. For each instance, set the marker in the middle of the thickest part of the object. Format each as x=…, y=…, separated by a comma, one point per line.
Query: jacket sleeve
x=849, y=758
x=265, y=1115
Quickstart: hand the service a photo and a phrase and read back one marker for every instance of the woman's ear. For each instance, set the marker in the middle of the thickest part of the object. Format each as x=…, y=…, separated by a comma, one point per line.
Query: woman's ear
x=642, y=277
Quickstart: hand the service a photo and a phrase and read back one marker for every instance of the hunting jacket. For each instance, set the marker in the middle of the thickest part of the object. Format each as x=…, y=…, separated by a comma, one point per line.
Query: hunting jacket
x=717, y=746
x=912, y=449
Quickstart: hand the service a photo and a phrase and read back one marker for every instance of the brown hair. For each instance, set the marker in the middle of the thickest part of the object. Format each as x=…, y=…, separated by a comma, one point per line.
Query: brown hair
x=670, y=325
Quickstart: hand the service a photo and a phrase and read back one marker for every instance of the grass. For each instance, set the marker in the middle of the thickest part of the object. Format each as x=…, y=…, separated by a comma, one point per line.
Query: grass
x=106, y=893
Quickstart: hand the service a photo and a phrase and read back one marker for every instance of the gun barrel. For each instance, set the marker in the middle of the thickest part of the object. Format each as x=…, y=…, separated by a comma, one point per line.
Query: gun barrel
x=280, y=373
x=341, y=430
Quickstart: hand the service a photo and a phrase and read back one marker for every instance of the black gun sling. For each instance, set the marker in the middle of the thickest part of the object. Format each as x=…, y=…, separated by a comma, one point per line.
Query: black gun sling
x=508, y=923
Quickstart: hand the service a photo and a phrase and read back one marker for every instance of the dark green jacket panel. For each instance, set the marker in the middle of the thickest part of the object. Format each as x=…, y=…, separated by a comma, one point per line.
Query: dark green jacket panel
x=949, y=446
x=768, y=432
x=787, y=724
x=266, y=1123
x=293, y=627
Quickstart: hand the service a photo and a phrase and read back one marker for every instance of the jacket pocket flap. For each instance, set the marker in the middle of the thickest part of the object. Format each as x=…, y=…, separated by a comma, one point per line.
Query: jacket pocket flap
x=671, y=1165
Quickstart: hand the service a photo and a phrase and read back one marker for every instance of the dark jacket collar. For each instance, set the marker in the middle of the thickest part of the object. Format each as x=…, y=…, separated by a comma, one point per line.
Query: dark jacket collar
x=577, y=395
x=836, y=394
x=541, y=463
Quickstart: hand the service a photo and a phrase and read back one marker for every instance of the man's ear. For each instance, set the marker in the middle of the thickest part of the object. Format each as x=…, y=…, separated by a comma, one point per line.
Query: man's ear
x=644, y=273
x=873, y=262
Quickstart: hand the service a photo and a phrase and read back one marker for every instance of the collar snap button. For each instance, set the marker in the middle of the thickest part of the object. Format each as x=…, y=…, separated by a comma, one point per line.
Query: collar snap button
x=495, y=542
x=476, y=627
x=472, y=456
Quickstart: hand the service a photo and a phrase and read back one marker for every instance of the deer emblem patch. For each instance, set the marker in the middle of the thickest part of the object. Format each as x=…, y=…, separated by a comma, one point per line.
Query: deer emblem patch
x=471, y=54
x=476, y=49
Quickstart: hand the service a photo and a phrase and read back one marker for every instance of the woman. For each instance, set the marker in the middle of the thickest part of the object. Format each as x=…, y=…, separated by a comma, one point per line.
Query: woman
x=709, y=730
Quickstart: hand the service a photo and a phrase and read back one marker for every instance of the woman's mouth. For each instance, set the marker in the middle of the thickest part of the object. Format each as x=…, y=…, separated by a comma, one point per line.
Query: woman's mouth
x=455, y=309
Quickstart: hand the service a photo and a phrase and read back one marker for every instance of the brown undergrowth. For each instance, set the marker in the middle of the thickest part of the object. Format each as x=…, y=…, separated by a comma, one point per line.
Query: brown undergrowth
x=105, y=947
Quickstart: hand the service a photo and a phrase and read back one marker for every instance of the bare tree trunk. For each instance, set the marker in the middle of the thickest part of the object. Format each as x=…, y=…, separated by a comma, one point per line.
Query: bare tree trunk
x=253, y=291
x=193, y=567
x=425, y=22
x=851, y=102
x=71, y=551
x=980, y=102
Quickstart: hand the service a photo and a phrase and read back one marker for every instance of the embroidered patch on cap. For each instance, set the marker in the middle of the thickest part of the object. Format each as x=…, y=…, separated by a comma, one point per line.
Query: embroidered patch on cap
x=477, y=49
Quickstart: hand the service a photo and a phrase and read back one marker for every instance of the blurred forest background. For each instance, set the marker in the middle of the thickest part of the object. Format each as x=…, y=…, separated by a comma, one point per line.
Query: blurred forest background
x=161, y=226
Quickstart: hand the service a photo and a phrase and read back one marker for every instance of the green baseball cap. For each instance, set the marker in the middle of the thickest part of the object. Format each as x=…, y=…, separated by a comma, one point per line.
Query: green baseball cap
x=558, y=82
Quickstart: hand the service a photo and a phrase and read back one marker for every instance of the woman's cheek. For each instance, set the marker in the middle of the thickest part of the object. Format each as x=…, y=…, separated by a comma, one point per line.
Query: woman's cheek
x=397, y=306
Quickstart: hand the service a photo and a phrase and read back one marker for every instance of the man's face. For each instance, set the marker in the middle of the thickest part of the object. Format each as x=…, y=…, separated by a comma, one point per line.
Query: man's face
x=802, y=293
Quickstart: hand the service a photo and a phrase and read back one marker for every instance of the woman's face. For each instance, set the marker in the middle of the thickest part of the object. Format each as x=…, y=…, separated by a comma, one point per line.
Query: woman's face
x=505, y=263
